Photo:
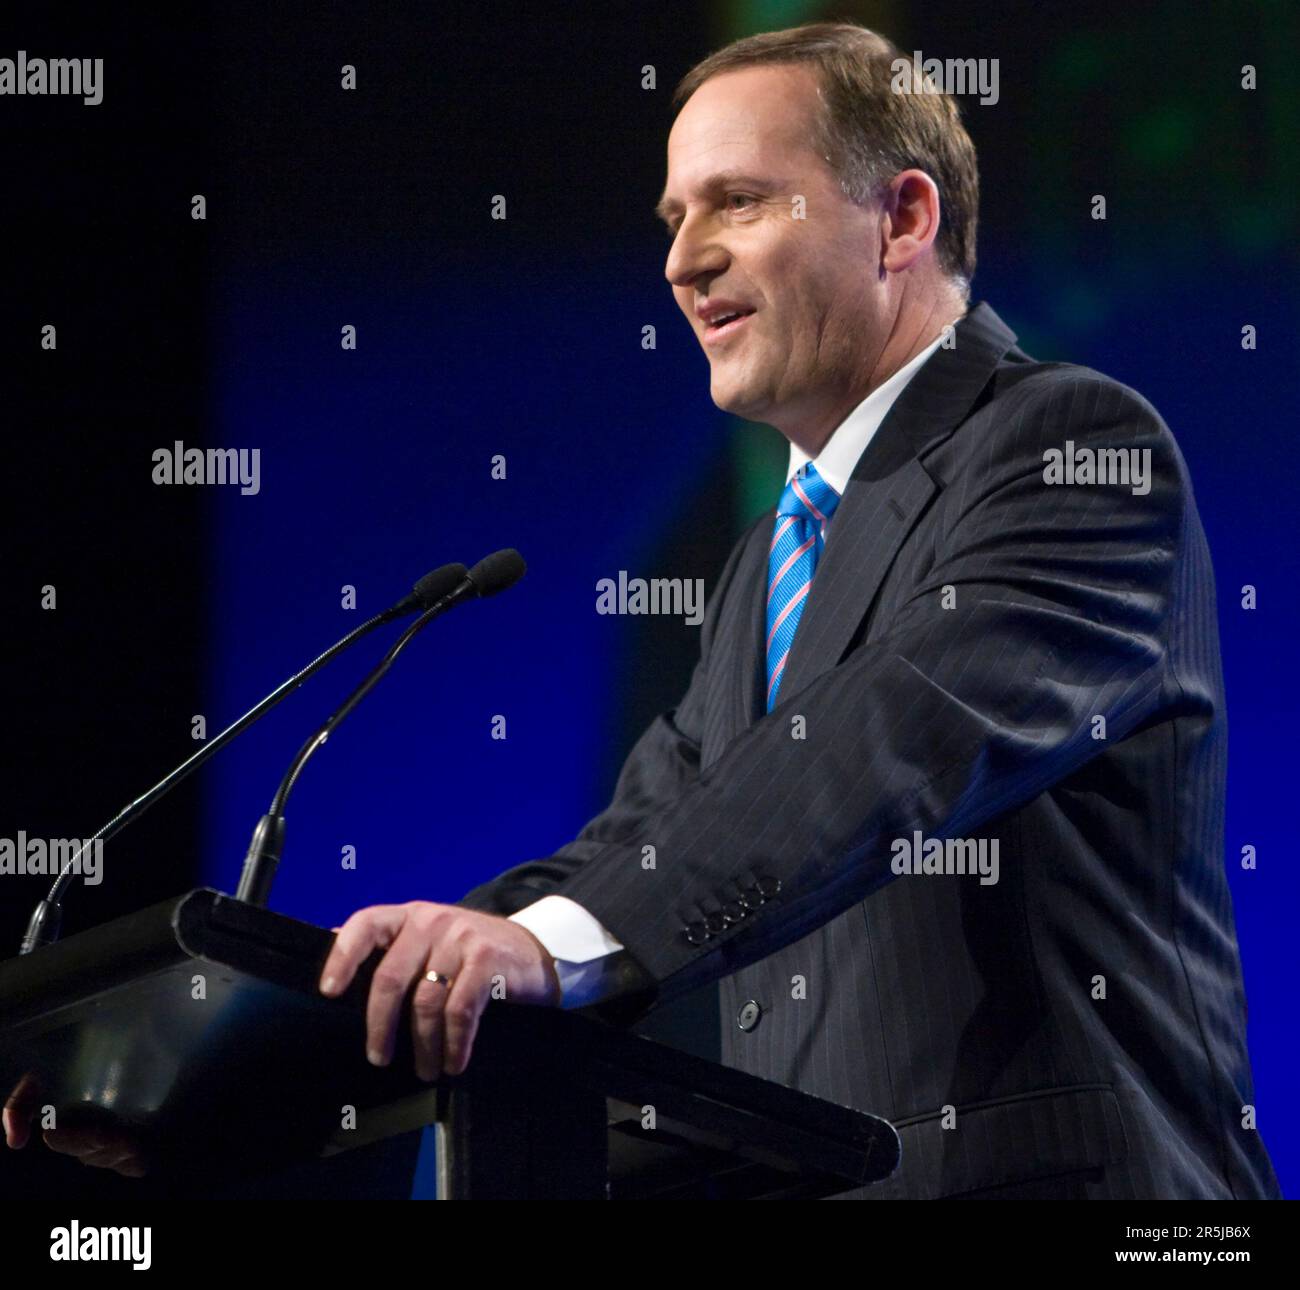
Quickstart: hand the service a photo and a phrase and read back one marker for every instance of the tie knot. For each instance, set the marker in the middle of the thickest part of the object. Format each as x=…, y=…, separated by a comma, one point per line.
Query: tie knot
x=809, y=496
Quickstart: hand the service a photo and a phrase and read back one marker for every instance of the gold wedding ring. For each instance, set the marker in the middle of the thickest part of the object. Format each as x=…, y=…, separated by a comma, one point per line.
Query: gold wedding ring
x=438, y=979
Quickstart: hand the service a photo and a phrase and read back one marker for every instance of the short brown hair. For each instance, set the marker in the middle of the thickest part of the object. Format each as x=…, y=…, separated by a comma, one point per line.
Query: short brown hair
x=869, y=133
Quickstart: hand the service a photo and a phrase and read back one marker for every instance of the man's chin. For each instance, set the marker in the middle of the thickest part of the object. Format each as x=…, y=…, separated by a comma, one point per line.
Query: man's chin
x=741, y=403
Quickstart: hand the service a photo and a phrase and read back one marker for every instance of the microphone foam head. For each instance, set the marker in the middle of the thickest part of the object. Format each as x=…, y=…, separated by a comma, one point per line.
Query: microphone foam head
x=441, y=582
x=497, y=571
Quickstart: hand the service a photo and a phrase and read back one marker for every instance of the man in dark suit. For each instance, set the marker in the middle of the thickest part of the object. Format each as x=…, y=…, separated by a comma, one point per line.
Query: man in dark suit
x=941, y=810
x=945, y=820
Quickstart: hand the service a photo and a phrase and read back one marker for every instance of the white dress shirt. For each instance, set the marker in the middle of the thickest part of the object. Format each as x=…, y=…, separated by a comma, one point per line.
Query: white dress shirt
x=585, y=954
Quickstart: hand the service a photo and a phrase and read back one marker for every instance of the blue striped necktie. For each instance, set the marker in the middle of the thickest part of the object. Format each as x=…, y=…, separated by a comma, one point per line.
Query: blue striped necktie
x=802, y=515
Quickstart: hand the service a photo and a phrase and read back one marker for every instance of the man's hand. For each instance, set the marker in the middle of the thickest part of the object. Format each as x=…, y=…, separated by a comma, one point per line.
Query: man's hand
x=103, y=1145
x=467, y=950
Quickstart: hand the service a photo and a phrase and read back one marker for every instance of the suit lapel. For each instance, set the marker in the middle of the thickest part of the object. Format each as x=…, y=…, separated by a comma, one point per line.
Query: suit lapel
x=885, y=497
x=743, y=633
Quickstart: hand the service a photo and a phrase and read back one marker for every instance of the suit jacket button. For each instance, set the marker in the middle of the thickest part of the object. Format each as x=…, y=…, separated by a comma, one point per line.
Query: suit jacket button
x=769, y=887
x=747, y=1017
x=733, y=911
x=697, y=933
x=715, y=923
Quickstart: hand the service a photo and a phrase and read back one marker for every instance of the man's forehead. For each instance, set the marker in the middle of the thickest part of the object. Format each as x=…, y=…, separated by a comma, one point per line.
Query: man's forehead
x=741, y=120
x=750, y=104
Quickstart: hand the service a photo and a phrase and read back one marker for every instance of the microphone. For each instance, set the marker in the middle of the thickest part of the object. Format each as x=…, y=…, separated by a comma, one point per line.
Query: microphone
x=496, y=572
x=493, y=574
x=43, y=927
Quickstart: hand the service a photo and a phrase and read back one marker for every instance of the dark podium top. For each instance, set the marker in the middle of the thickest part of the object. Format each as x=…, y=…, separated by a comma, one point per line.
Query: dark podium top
x=198, y=1022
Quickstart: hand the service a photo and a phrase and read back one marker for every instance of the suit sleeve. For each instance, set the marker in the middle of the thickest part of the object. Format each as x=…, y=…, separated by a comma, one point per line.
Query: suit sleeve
x=1042, y=621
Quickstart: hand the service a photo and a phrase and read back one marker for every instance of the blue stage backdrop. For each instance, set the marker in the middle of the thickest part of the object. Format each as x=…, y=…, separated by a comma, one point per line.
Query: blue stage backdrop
x=377, y=464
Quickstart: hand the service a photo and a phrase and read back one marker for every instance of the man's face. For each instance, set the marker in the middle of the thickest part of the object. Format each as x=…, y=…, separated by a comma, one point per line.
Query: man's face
x=800, y=273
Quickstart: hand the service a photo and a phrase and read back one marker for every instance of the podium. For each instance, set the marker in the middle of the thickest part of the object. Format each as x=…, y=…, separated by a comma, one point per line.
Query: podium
x=198, y=1023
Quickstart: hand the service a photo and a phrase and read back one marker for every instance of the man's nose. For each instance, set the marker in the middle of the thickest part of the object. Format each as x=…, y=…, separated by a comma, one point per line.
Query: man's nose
x=695, y=253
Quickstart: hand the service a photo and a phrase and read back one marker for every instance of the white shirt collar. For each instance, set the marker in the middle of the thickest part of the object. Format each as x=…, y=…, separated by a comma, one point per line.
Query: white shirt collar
x=840, y=453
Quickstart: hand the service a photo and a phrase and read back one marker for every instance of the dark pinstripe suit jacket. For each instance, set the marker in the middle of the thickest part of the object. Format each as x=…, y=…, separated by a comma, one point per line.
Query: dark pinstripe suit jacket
x=983, y=655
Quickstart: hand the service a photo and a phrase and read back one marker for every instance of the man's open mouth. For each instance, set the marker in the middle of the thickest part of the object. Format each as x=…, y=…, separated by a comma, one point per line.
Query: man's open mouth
x=726, y=324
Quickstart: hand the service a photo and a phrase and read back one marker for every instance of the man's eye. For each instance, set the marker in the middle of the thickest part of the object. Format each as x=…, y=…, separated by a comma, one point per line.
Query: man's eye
x=738, y=201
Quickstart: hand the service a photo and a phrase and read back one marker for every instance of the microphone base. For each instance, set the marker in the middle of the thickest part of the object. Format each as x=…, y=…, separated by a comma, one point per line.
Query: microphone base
x=43, y=927
x=262, y=861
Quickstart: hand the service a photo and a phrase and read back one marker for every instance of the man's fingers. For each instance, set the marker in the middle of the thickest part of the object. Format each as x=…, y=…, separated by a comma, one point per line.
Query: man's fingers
x=402, y=965
x=18, y=1128
x=421, y=937
x=461, y=1014
x=75, y=1142
x=427, y=1002
x=20, y=1111
x=364, y=931
x=121, y=1159
x=99, y=1149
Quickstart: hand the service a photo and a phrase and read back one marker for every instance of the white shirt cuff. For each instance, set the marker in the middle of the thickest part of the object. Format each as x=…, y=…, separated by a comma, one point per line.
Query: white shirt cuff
x=584, y=952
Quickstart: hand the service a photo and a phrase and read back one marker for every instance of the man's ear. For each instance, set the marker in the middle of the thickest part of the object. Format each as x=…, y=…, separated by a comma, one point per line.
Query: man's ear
x=911, y=220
